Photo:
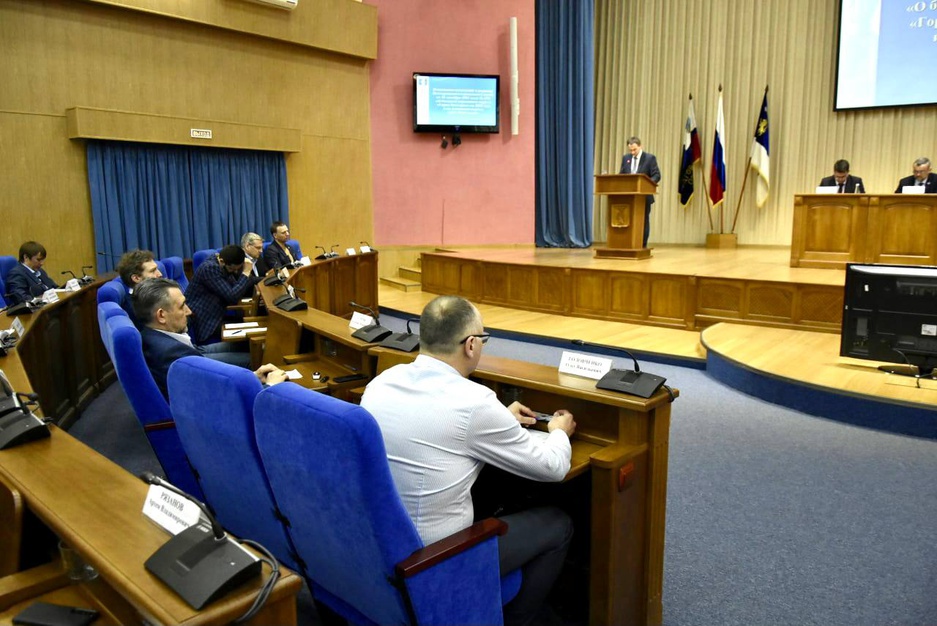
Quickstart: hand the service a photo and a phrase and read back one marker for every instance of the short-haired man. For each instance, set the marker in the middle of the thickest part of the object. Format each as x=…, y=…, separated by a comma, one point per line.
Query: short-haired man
x=841, y=178
x=214, y=287
x=163, y=314
x=440, y=429
x=253, y=246
x=922, y=177
x=279, y=253
x=637, y=161
x=134, y=267
x=27, y=280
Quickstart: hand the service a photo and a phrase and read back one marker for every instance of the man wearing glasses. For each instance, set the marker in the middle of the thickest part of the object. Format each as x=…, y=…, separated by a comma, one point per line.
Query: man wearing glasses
x=440, y=429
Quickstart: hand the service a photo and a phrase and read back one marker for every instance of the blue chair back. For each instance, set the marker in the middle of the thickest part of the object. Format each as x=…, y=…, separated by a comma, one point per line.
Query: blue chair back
x=328, y=469
x=112, y=291
x=161, y=267
x=3, y=290
x=175, y=269
x=125, y=347
x=201, y=256
x=219, y=441
x=6, y=264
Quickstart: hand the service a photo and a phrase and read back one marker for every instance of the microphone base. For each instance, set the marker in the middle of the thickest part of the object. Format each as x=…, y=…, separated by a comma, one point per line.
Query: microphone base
x=372, y=333
x=17, y=428
x=407, y=342
x=201, y=568
x=287, y=303
x=273, y=281
x=633, y=383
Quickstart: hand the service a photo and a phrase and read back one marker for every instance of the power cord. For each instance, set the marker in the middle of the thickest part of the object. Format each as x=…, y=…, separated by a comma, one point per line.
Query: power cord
x=267, y=587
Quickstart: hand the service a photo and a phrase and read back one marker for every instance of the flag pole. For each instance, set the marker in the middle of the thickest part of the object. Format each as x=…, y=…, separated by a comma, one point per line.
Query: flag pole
x=748, y=168
x=709, y=202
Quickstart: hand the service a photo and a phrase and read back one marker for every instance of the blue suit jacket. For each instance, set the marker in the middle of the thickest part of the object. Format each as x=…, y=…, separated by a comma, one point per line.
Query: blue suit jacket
x=160, y=351
x=22, y=284
x=646, y=165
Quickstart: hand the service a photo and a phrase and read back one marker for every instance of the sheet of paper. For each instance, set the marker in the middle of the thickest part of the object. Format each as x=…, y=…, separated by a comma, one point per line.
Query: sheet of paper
x=241, y=325
x=242, y=332
x=293, y=374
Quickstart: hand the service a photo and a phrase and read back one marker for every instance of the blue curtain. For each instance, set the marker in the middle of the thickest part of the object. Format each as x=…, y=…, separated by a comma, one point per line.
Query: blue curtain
x=565, y=123
x=175, y=200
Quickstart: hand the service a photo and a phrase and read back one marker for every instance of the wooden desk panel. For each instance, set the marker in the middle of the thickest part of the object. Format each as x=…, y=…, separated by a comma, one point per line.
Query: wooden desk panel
x=331, y=284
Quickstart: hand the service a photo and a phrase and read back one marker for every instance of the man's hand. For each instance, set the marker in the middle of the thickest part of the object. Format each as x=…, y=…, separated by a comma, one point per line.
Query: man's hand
x=522, y=414
x=248, y=266
x=563, y=420
x=270, y=374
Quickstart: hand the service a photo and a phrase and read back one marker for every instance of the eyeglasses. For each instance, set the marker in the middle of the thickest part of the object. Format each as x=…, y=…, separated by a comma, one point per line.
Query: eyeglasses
x=483, y=336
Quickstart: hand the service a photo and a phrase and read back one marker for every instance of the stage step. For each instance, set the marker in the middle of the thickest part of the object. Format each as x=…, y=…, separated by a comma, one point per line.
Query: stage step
x=411, y=273
x=403, y=284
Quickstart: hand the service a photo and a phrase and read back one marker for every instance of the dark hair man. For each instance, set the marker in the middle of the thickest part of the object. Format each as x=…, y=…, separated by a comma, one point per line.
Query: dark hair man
x=639, y=162
x=279, y=253
x=843, y=179
x=27, y=280
x=213, y=288
x=440, y=429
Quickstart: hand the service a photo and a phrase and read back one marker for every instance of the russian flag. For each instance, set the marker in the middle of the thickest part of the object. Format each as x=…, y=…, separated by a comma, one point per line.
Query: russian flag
x=717, y=181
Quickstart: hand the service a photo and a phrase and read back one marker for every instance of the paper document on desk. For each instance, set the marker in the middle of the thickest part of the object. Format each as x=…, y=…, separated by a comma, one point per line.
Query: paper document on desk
x=241, y=325
x=293, y=375
x=241, y=332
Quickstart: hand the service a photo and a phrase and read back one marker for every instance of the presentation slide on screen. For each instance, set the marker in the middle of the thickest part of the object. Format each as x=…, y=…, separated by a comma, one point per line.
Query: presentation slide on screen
x=886, y=50
x=456, y=101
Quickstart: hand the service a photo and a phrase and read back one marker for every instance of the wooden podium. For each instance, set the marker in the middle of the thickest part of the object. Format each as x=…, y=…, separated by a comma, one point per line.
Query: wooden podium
x=627, y=195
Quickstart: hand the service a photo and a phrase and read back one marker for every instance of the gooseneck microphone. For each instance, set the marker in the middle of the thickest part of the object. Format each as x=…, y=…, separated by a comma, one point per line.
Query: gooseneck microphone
x=634, y=382
x=368, y=245
x=70, y=272
x=332, y=252
x=407, y=342
x=372, y=333
x=324, y=255
x=86, y=278
x=198, y=564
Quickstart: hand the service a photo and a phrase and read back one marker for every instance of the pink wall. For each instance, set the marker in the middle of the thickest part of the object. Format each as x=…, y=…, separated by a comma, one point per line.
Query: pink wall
x=481, y=192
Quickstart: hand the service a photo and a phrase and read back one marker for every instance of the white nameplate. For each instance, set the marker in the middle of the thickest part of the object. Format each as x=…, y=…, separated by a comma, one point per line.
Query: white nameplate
x=241, y=325
x=50, y=296
x=18, y=327
x=929, y=330
x=172, y=512
x=72, y=285
x=585, y=365
x=365, y=249
x=826, y=190
x=350, y=251
x=360, y=320
x=913, y=189
x=306, y=260
x=200, y=133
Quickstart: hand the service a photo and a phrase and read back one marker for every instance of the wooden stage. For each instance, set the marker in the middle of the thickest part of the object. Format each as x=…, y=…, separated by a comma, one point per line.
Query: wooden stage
x=764, y=355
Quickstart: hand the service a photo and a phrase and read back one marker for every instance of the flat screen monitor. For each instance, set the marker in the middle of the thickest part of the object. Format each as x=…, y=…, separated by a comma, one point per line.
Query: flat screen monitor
x=890, y=314
x=456, y=103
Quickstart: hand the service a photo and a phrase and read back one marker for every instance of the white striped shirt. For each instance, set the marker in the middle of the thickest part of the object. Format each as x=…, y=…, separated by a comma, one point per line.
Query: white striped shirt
x=440, y=429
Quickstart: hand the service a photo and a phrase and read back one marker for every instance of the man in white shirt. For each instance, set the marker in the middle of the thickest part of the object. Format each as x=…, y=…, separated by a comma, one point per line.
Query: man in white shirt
x=440, y=429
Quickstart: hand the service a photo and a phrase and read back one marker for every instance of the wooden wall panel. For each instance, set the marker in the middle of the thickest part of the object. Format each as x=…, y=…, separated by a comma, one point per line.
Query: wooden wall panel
x=668, y=299
x=590, y=293
x=628, y=297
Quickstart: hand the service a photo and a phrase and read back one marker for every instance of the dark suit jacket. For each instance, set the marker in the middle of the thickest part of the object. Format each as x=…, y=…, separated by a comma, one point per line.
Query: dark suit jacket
x=853, y=184
x=23, y=285
x=160, y=351
x=274, y=256
x=260, y=267
x=930, y=185
x=209, y=293
x=646, y=165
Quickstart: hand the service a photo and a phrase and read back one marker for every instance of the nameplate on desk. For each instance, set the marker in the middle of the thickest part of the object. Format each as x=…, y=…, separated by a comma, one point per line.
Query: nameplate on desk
x=350, y=251
x=585, y=365
x=359, y=320
x=365, y=249
x=914, y=189
x=50, y=296
x=18, y=327
x=172, y=512
x=306, y=260
x=72, y=285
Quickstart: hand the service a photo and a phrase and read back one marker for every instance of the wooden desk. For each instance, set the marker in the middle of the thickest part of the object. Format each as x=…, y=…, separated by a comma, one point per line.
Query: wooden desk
x=831, y=230
x=95, y=507
x=331, y=284
x=622, y=442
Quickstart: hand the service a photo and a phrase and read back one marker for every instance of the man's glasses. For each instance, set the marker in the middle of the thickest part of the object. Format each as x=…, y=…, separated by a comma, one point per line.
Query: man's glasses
x=483, y=336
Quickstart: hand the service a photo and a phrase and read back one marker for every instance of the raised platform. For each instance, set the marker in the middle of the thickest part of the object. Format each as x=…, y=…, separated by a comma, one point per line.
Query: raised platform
x=681, y=287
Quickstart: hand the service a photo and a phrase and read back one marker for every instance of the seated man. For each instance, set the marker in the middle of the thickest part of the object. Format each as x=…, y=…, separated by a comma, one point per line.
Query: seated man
x=279, y=253
x=163, y=314
x=843, y=179
x=253, y=245
x=440, y=429
x=134, y=267
x=27, y=279
x=214, y=287
x=922, y=177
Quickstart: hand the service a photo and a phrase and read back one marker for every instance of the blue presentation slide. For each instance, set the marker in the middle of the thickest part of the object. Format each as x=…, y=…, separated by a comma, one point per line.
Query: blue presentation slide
x=456, y=101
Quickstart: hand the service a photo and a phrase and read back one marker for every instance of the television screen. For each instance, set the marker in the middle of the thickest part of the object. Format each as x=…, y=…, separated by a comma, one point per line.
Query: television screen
x=884, y=47
x=890, y=314
x=456, y=103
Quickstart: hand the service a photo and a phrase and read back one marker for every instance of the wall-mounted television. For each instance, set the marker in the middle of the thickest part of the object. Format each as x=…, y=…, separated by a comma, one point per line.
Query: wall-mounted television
x=890, y=314
x=456, y=103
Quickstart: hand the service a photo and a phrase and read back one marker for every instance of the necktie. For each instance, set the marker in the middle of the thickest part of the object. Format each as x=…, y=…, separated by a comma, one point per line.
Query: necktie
x=634, y=165
x=840, y=188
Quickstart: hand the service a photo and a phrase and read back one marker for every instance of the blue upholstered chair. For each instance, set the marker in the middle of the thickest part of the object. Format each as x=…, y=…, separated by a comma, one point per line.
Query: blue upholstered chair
x=175, y=269
x=125, y=347
x=201, y=256
x=219, y=441
x=326, y=463
x=3, y=290
x=112, y=291
x=6, y=264
x=162, y=267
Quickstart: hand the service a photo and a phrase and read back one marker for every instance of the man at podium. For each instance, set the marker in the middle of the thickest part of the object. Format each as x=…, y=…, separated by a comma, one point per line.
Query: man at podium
x=922, y=177
x=841, y=178
x=640, y=162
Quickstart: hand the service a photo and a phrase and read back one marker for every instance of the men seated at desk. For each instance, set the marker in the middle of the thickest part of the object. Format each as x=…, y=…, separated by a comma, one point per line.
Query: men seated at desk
x=214, y=287
x=841, y=178
x=440, y=429
x=163, y=314
x=922, y=177
x=27, y=279
x=279, y=253
x=253, y=246
x=134, y=267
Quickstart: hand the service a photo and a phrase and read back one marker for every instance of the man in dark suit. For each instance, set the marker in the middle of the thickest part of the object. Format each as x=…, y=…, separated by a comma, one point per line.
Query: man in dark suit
x=27, y=279
x=279, y=253
x=841, y=178
x=253, y=246
x=640, y=162
x=163, y=314
x=216, y=285
x=134, y=267
x=922, y=177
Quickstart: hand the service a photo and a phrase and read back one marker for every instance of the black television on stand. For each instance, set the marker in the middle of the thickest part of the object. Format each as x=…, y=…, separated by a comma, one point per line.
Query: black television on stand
x=890, y=315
